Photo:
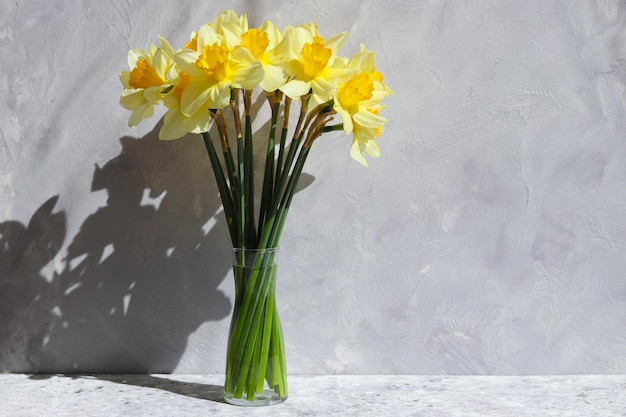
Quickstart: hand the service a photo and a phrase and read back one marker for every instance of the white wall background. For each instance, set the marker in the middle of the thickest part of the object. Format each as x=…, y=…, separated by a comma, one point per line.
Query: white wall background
x=489, y=238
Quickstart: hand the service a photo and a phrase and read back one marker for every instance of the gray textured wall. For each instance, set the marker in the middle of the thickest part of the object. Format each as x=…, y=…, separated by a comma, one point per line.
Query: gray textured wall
x=489, y=238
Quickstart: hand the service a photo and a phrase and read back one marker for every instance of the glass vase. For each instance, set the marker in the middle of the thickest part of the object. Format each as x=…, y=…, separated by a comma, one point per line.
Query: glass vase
x=255, y=359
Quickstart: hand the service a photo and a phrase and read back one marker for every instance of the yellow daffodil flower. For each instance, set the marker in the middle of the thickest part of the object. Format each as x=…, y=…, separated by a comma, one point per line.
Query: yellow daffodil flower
x=213, y=69
x=175, y=123
x=147, y=79
x=310, y=62
x=260, y=42
x=358, y=101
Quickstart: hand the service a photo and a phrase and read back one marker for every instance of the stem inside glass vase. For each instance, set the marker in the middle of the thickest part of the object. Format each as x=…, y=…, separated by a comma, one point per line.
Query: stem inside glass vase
x=255, y=362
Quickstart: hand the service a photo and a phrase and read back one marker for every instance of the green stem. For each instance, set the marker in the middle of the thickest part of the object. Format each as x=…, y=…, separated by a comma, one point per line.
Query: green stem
x=287, y=197
x=283, y=138
x=232, y=173
x=250, y=229
x=241, y=236
x=279, y=373
x=227, y=199
x=268, y=175
x=267, y=334
x=218, y=117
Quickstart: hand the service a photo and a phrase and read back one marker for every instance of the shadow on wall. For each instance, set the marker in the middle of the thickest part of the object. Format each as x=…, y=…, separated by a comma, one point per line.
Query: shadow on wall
x=139, y=277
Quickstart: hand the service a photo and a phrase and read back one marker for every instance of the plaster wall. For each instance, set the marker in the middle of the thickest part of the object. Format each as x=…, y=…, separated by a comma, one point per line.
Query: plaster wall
x=489, y=238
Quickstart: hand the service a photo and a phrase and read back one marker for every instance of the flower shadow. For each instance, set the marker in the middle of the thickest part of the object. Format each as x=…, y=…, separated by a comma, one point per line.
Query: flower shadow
x=24, y=251
x=139, y=277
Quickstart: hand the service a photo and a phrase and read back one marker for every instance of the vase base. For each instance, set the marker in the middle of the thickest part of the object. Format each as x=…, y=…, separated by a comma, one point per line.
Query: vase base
x=265, y=398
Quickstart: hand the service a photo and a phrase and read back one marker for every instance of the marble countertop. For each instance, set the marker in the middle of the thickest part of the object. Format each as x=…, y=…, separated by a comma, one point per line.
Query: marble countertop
x=345, y=395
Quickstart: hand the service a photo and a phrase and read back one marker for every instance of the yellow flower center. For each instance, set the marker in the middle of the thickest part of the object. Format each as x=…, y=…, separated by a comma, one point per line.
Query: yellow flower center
x=256, y=42
x=144, y=76
x=193, y=43
x=183, y=81
x=214, y=61
x=315, y=56
x=358, y=89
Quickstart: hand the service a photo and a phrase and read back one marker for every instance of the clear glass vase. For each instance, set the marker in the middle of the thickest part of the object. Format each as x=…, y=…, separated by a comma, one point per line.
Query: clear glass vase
x=255, y=360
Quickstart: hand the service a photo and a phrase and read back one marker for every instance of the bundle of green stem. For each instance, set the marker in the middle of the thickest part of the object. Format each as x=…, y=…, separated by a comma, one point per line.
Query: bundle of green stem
x=255, y=347
x=256, y=352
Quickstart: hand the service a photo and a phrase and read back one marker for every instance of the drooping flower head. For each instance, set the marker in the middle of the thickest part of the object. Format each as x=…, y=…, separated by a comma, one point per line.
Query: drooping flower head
x=358, y=100
x=175, y=123
x=146, y=80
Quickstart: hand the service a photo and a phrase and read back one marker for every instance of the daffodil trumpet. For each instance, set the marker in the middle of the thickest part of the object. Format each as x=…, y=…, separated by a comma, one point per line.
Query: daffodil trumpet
x=221, y=66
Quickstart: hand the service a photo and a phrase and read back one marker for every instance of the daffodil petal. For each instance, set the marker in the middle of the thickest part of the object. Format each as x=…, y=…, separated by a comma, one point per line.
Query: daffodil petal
x=336, y=41
x=134, y=55
x=173, y=125
x=273, y=79
x=194, y=97
x=161, y=63
x=229, y=19
x=165, y=45
x=131, y=99
x=346, y=118
x=272, y=33
x=243, y=57
x=200, y=121
x=152, y=94
x=323, y=89
x=295, y=89
x=370, y=148
x=355, y=153
x=219, y=96
x=142, y=112
x=232, y=39
x=186, y=61
x=369, y=119
x=284, y=52
x=292, y=67
x=124, y=77
x=207, y=36
x=249, y=77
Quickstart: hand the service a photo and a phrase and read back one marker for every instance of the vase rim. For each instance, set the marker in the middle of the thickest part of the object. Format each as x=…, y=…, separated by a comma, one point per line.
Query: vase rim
x=254, y=250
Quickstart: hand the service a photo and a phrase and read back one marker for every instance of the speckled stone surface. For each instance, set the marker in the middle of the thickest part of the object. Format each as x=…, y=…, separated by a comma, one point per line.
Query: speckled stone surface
x=201, y=395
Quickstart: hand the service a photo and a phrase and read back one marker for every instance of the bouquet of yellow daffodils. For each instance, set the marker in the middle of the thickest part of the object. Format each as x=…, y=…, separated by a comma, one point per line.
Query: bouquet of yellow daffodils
x=220, y=67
